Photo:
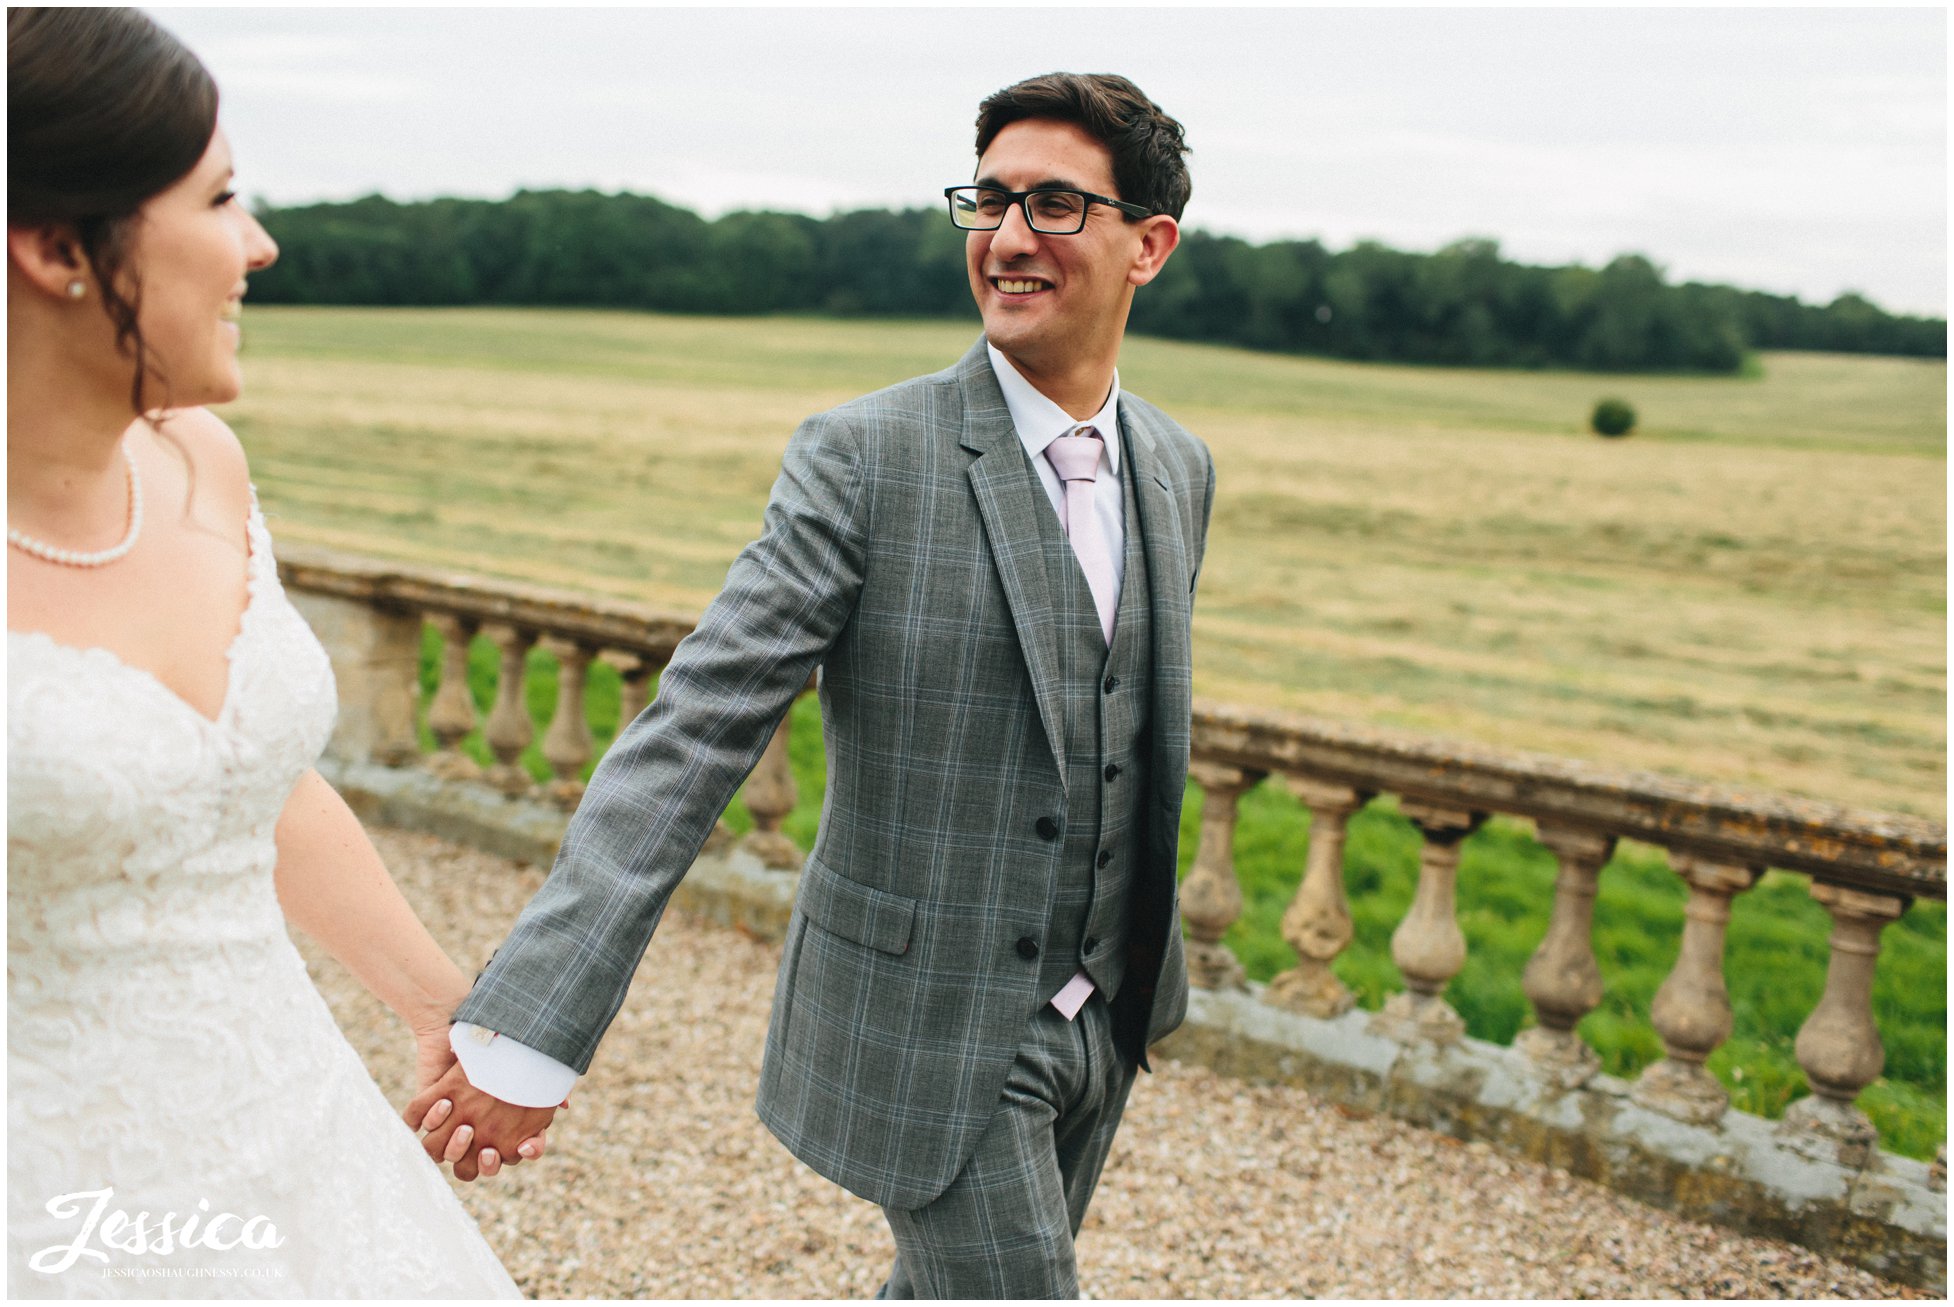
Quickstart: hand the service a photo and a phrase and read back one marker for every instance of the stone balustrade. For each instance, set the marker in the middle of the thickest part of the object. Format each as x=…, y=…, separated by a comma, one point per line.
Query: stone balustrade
x=371, y=615
x=1864, y=868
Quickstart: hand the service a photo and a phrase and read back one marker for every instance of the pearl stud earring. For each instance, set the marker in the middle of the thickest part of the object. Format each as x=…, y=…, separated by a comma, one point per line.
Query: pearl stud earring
x=77, y=288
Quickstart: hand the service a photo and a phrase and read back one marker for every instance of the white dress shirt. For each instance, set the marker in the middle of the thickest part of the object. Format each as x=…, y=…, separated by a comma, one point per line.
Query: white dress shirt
x=1039, y=422
x=515, y=1072
x=512, y=1072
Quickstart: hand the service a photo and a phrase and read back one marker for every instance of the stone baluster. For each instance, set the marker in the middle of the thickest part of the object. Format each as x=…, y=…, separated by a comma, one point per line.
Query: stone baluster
x=770, y=795
x=451, y=712
x=568, y=744
x=1428, y=946
x=1562, y=981
x=634, y=673
x=1211, y=898
x=509, y=729
x=1317, y=923
x=718, y=840
x=1691, y=1011
x=1839, y=1044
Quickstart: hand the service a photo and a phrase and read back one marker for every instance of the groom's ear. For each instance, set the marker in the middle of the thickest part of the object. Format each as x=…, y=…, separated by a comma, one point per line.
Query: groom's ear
x=1159, y=236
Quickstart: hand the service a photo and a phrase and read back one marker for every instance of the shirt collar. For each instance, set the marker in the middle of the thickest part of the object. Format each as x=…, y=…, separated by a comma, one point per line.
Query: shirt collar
x=1039, y=421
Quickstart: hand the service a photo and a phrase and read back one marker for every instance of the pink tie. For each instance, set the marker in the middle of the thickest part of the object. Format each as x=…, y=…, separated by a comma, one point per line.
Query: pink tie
x=1076, y=459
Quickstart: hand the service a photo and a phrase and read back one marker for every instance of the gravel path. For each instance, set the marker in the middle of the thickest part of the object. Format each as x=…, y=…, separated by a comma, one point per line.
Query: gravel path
x=660, y=1182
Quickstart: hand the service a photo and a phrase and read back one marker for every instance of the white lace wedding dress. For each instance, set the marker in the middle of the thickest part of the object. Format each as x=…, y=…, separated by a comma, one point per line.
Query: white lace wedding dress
x=164, y=1040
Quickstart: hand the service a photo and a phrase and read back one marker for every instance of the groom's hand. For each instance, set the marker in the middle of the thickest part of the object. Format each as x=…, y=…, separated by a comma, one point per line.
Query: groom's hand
x=481, y=1133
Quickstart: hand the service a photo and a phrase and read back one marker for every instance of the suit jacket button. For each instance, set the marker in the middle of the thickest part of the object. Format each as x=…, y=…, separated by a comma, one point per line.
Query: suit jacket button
x=1027, y=947
x=1047, y=829
x=1092, y=943
x=1112, y=683
x=1112, y=771
x=1105, y=856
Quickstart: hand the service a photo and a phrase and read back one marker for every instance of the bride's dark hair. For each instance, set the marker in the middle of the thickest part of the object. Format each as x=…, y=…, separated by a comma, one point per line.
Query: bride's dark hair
x=104, y=110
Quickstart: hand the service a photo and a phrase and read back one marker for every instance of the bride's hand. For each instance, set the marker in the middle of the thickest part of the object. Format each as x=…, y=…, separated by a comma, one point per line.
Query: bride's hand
x=473, y=1130
x=433, y=1055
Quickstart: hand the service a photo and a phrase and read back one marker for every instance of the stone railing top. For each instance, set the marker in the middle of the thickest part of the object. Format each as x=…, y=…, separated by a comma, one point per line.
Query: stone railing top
x=597, y=622
x=1878, y=852
x=1881, y=852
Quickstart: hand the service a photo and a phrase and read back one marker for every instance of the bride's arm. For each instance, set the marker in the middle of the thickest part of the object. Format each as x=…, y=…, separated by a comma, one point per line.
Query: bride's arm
x=334, y=887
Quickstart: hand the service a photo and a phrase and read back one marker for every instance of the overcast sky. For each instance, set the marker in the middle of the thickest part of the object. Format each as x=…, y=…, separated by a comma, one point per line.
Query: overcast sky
x=1792, y=150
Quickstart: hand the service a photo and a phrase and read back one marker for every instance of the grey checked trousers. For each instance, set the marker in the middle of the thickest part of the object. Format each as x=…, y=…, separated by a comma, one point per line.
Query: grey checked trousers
x=1004, y=1228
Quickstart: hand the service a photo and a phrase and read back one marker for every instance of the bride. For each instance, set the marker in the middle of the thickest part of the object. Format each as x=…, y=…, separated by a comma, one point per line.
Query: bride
x=184, y=1117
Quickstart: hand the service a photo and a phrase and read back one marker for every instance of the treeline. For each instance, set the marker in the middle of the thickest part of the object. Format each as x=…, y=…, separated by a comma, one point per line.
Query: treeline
x=1462, y=305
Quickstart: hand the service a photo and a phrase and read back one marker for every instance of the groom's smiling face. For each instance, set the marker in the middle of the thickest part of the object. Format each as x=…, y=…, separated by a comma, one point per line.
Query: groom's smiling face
x=1051, y=301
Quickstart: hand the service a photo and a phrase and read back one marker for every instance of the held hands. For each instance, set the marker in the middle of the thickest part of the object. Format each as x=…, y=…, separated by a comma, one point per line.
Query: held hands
x=475, y=1132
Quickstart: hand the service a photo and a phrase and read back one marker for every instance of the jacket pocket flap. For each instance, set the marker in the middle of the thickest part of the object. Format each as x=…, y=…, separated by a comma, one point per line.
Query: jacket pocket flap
x=874, y=917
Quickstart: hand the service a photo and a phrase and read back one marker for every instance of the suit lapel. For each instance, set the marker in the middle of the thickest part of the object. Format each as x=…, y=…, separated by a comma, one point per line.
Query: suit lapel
x=1168, y=580
x=1008, y=497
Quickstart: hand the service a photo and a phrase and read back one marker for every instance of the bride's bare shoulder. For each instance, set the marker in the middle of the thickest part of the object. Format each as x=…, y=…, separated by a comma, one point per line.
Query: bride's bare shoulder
x=213, y=453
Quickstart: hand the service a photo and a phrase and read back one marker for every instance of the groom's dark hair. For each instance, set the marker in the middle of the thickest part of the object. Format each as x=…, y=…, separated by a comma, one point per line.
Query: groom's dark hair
x=1145, y=143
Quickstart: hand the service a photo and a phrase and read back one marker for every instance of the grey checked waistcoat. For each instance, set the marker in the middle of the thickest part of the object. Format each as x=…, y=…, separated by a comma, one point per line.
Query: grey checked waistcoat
x=1092, y=900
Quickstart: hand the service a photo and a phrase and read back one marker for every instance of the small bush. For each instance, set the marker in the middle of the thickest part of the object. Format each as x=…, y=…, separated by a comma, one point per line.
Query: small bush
x=1613, y=417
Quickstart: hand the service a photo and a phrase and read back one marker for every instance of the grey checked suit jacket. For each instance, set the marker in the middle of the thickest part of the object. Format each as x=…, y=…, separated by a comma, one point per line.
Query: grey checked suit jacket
x=901, y=555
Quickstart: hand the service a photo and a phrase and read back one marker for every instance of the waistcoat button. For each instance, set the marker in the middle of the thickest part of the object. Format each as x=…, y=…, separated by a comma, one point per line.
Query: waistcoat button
x=1027, y=947
x=1047, y=829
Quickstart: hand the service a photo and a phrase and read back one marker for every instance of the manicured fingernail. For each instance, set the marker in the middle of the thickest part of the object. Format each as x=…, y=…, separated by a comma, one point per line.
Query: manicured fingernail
x=465, y=1132
x=489, y=1157
x=527, y=1150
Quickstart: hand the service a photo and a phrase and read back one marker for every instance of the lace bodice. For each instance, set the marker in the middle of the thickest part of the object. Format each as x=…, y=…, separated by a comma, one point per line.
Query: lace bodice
x=164, y=1039
x=123, y=800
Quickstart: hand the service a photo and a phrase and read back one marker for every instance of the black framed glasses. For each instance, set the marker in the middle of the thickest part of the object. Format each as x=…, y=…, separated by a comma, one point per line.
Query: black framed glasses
x=1048, y=212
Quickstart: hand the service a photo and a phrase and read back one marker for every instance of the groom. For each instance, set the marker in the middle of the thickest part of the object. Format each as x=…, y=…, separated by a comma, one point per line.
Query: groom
x=993, y=568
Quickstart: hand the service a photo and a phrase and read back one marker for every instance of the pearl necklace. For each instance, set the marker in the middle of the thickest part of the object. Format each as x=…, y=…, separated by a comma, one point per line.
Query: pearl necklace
x=27, y=544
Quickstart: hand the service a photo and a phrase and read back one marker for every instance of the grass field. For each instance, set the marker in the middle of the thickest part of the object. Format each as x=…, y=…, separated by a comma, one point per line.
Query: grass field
x=1751, y=589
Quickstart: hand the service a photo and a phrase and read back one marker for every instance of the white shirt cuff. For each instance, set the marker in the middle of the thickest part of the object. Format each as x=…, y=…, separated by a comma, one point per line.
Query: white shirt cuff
x=512, y=1072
